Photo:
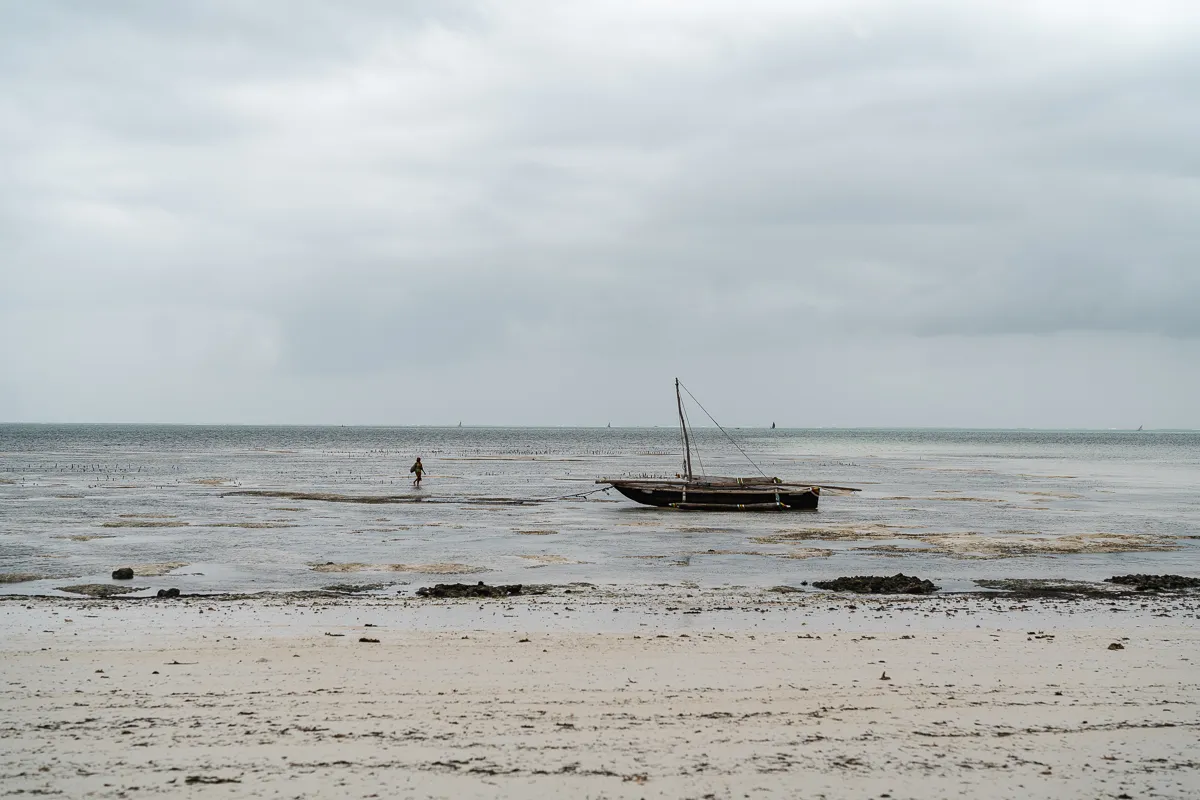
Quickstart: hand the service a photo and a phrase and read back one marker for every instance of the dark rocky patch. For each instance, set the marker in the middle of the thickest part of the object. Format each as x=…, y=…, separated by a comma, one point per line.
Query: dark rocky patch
x=123, y=574
x=1029, y=588
x=1155, y=583
x=101, y=589
x=20, y=577
x=172, y=592
x=353, y=588
x=194, y=779
x=878, y=584
x=480, y=589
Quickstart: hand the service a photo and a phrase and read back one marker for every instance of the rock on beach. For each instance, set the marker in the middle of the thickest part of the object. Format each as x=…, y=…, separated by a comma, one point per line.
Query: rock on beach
x=480, y=589
x=878, y=584
x=1155, y=583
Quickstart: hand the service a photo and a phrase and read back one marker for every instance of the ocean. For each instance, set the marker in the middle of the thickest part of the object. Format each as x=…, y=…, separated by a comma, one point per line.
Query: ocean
x=519, y=505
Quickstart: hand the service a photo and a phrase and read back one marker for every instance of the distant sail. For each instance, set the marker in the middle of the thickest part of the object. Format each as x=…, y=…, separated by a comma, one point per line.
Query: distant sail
x=1139, y=427
x=772, y=426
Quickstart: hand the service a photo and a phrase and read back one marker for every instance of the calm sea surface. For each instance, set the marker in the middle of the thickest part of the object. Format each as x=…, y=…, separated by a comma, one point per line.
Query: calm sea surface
x=77, y=501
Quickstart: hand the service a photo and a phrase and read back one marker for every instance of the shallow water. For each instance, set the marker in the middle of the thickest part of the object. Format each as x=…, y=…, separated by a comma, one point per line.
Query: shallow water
x=76, y=501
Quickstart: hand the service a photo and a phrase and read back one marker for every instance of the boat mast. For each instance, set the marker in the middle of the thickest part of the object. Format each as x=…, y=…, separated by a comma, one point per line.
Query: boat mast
x=687, y=446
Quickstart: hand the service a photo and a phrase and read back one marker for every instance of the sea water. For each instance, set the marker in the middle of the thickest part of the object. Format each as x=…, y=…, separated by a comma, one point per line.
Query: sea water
x=519, y=505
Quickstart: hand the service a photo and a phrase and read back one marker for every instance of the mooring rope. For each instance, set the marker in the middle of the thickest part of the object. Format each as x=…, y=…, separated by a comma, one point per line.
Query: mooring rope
x=569, y=496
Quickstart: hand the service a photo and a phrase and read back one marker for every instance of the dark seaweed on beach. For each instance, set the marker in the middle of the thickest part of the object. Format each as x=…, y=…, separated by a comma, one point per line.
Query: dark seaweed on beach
x=878, y=584
x=101, y=590
x=1155, y=583
x=353, y=588
x=1062, y=588
x=480, y=589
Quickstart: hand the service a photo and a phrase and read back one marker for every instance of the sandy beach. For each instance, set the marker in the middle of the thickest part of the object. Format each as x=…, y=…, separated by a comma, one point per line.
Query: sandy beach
x=652, y=692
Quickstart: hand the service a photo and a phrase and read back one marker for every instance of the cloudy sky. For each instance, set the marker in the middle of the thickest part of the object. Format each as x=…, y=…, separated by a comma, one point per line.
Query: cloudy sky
x=935, y=213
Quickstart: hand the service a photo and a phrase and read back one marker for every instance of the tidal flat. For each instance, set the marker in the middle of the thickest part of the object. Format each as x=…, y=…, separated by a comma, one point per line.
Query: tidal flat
x=952, y=506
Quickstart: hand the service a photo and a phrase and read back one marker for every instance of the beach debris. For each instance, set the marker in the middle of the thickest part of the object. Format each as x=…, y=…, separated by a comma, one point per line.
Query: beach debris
x=190, y=779
x=172, y=592
x=878, y=584
x=884, y=676
x=101, y=590
x=1155, y=583
x=123, y=574
x=480, y=589
x=1050, y=587
x=353, y=588
x=368, y=640
x=1116, y=646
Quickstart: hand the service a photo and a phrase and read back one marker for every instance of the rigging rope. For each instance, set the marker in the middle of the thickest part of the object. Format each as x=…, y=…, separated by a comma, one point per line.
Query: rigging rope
x=727, y=436
x=688, y=422
x=683, y=442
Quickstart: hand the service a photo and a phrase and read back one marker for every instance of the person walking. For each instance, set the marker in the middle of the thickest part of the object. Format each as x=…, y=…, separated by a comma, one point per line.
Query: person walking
x=417, y=469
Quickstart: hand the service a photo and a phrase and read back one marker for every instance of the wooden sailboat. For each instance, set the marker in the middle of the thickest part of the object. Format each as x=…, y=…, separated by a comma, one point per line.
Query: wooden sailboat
x=711, y=493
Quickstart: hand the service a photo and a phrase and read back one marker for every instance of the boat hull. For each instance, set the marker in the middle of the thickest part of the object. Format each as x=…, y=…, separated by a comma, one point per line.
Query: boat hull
x=722, y=499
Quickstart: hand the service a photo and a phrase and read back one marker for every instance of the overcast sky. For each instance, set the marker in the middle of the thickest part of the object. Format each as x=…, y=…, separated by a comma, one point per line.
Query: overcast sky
x=941, y=213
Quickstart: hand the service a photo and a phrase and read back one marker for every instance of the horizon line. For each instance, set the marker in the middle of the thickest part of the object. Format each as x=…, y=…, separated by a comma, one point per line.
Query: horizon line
x=494, y=426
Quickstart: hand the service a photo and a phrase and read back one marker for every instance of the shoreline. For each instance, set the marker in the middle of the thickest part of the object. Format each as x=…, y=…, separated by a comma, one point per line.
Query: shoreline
x=1118, y=588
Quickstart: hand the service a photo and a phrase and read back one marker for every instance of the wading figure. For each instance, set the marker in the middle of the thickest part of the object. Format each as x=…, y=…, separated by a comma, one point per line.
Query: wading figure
x=417, y=469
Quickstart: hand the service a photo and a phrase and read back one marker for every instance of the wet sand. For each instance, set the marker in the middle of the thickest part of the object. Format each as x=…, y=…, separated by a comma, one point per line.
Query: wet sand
x=644, y=692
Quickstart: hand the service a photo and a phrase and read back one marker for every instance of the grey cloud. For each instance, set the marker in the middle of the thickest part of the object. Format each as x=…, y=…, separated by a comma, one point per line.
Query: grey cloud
x=508, y=187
